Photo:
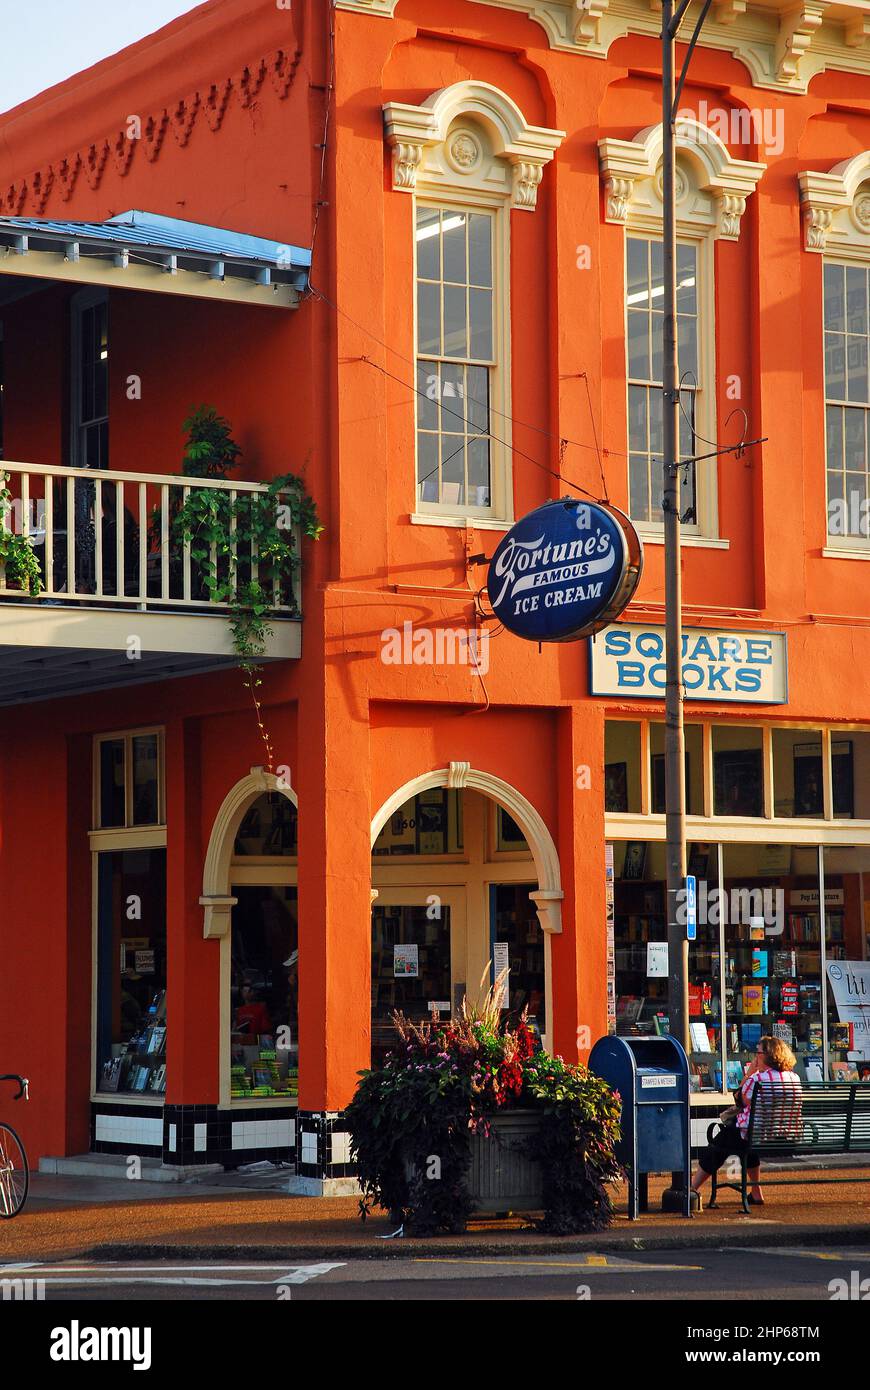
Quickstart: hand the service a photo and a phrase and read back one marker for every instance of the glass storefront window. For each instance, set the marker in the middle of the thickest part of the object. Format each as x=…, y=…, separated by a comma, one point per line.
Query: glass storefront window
x=850, y=773
x=131, y=971
x=268, y=828
x=773, y=974
x=705, y=975
x=694, y=769
x=847, y=967
x=738, y=770
x=112, y=794
x=622, y=765
x=146, y=797
x=430, y=823
x=640, y=937
x=129, y=780
x=264, y=999
x=517, y=923
x=410, y=968
x=798, y=784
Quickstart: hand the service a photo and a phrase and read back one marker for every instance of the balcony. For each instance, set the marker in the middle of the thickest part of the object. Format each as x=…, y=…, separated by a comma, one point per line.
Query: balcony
x=122, y=600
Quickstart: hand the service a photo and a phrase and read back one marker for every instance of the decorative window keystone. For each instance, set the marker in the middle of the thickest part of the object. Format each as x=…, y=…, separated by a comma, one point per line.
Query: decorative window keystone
x=711, y=186
x=836, y=205
x=426, y=140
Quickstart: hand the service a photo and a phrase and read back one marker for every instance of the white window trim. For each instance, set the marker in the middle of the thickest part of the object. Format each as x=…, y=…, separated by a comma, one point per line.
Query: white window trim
x=500, y=510
x=841, y=547
x=469, y=145
x=836, y=217
x=115, y=836
x=706, y=476
x=712, y=188
x=709, y=825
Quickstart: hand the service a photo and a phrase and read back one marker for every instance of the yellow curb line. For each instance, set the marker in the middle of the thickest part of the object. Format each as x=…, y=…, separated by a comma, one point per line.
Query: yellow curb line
x=589, y=1260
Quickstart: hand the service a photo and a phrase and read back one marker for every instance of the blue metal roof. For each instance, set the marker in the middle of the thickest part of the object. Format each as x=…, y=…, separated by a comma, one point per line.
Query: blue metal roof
x=149, y=232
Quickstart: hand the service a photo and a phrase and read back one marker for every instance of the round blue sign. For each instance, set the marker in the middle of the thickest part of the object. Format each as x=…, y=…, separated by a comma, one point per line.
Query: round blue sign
x=565, y=570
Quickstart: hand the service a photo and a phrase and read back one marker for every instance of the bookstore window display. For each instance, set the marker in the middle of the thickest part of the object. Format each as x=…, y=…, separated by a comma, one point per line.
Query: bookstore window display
x=264, y=993
x=131, y=972
x=410, y=968
x=773, y=971
x=517, y=926
x=757, y=966
x=641, y=956
x=847, y=962
x=429, y=824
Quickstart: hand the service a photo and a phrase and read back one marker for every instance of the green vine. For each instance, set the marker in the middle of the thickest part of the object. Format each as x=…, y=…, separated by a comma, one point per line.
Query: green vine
x=17, y=558
x=228, y=535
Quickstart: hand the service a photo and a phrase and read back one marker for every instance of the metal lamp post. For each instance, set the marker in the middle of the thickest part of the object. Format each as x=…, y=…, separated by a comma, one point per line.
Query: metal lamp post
x=675, y=790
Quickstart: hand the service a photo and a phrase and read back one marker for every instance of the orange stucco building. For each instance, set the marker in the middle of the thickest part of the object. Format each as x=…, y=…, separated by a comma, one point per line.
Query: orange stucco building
x=199, y=932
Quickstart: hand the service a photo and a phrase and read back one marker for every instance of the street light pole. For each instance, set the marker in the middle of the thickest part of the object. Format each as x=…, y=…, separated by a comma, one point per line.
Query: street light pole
x=675, y=791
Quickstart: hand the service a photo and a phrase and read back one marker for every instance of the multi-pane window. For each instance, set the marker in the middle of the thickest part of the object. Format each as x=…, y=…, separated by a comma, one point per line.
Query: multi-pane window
x=92, y=386
x=128, y=771
x=645, y=292
x=847, y=398
x=455, y=356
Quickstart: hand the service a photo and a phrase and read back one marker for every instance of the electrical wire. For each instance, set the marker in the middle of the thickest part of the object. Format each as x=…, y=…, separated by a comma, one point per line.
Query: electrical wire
x=528, y=457
x=330, y=87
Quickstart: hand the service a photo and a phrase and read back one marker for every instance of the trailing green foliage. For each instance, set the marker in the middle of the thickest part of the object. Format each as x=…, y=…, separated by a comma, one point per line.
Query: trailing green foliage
x=579, y=1128
x=230, y=535
x=17, y=557
x=412, y=1119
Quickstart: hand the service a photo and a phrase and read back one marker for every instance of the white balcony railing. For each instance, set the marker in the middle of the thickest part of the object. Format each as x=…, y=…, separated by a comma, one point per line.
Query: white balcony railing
x=104, y=538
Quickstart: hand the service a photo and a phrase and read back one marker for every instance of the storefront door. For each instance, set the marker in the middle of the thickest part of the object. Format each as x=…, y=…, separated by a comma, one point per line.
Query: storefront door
x=418, y=957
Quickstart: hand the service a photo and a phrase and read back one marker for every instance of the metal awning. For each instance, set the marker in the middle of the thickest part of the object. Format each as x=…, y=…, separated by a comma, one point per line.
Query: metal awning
x=146, y=251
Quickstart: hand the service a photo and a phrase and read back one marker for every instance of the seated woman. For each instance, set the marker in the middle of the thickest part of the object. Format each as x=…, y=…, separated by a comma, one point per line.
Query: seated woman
x=773, y=1070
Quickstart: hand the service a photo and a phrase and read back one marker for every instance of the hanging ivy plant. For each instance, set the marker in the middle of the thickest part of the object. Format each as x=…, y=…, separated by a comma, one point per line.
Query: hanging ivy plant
x=243, y=546
x=17, y=557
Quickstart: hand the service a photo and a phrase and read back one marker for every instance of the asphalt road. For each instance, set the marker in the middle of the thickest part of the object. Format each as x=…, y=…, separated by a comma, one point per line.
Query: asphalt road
x=751, y=1275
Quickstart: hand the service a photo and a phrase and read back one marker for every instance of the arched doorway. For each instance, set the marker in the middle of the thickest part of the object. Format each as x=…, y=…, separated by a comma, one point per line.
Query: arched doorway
x=250, y=901
x=465, y=882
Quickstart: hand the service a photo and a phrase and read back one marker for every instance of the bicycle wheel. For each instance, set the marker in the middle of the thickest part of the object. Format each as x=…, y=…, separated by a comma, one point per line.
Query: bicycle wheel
x=14, y=1173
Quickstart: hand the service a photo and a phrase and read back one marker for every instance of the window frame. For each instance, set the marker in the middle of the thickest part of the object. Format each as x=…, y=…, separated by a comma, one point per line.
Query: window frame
x=706, y=525
x=499, y=515
x=825, y=829
x=129, y=827
x=80, y=303
x=849, y=545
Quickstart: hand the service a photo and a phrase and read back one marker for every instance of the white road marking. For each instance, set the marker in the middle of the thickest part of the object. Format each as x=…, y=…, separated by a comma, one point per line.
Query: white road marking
x=73, y=1276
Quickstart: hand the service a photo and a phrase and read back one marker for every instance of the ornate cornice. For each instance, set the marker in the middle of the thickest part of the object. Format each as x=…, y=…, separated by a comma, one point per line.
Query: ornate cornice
x=836, y=205
x=712, y=186
x=210, y=103
x=412, y=131
x=385, y=8
x=782, y=43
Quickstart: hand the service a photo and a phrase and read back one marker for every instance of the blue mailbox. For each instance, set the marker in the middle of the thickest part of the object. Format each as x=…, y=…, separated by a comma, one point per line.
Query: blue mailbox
x=652, y=1078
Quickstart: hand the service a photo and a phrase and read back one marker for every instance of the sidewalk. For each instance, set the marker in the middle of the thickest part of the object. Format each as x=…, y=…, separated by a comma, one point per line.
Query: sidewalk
x=109, y=1219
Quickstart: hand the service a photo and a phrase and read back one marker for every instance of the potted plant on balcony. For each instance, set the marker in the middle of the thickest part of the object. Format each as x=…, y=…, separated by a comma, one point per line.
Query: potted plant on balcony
x=468, y=1115
x=19, y=564
x=242, y=543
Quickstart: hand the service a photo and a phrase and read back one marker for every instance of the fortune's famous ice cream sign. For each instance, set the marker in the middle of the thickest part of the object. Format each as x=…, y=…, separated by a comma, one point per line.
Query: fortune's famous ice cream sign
x=564, y=571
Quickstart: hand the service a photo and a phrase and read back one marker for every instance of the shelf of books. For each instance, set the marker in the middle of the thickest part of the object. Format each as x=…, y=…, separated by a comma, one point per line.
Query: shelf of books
x=263, y=1070
x=139, y=1065
x=772, y=986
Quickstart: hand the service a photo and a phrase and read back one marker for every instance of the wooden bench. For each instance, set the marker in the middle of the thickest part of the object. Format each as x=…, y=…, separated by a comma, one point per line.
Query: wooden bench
x=835, y=1120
